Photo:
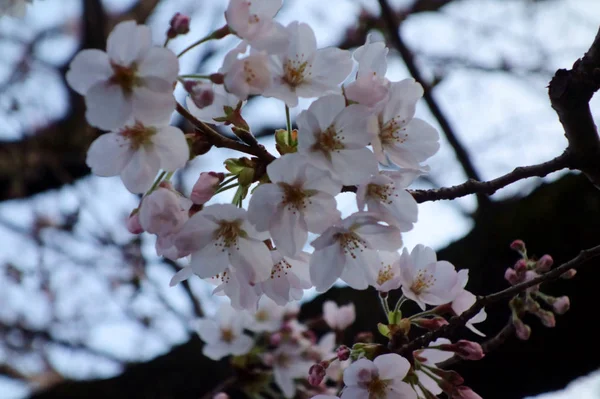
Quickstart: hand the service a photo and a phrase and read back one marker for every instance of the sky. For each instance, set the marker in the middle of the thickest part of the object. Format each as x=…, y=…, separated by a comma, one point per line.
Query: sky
x=505, y=121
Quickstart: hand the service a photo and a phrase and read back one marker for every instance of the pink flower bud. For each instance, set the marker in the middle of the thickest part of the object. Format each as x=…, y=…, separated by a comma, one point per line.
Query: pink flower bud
x=468, y=350
x=275, y=339
x=205, y=187
x=316, y=373
x=519, y=246
x=544, y=264
x=133, y=224
x=221, y=395
x=569, y=274
x=547, y=318
x=520, y=266
x=343, y=353
x=430, y=324
x=561, y=305
x=179, y=25
x=202, y=94
x=511, y=276
x=522, y=330
x=463, y=392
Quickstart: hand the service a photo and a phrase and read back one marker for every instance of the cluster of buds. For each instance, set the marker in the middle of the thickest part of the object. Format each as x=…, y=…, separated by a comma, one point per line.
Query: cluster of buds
x=531, y=301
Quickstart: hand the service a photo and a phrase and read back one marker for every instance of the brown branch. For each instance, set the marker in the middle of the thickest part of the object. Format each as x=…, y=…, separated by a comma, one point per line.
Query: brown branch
x=457, y=321
x=221, y=141
x=570, y=92
x=462, y=155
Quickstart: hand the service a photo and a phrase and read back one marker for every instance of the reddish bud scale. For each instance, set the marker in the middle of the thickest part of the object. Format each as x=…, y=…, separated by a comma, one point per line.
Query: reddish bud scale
x=179, y=25
x=430, y=324
x=316, y=374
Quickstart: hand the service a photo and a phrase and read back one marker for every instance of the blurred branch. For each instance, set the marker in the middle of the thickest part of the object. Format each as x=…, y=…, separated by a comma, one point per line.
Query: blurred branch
x=462, y=155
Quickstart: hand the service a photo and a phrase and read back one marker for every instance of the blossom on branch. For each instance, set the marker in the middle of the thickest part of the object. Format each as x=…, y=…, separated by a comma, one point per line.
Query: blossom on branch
x=334, y=138
x=300, y=199
x=305, y=71
x=131, y=81
x=224, y=335
x=137, y=152
x=289, y=278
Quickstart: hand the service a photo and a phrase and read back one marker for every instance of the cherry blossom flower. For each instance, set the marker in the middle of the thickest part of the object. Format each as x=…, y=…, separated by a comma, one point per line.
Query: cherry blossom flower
x=428, y=358
x=300, y=199
x=234, y=284
x=289, y=278
x=215, y=112
x=406, y=140
x=247, y=75
x=385, y=194
x=224, y=335
x=346, y=250
x=253, y=22
x=463, y=301
x=381, y=378
x=370, y=86
x=304, y=71
x=338, y=318
x=268, y=317
x=137, y=152
x=219, y=236
x=131, y=81
x=426, y=280
x=386, y=273
x=14, y=8
x=289, y=364
x=334, y=138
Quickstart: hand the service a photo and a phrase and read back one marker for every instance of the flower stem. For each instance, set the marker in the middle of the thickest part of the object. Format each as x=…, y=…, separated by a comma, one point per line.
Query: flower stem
x=193, y=76
x=225, y=188
x=227, y=181
x=399, y=303
x=218, y=34
x=288, y=119
x=156, y=182
x=384, y=305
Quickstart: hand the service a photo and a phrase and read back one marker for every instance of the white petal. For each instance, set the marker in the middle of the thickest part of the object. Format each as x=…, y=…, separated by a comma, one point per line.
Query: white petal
x=128, y=42
x=354, y=166
x=195, y=234
x=172, y=148
x=242, y=345
x=252, y=258
x=321, y=212
x=326, y=265
x=180, y=276
x=208, y=330
x=331, y=65
x=209, y=261
x=161, y=63
x=353, y=375
x=392, y=366
x=422, y=256
x=263, y=205
x=141, y=170
x=88, y=68
x=108, y=155
x=326, y=109
x=289, y=231
x=151, y=107
x=403, y=99
x=107, y=106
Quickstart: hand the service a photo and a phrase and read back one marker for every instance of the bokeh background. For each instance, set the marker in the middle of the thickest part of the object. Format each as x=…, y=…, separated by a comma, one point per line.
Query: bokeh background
x=85, y=307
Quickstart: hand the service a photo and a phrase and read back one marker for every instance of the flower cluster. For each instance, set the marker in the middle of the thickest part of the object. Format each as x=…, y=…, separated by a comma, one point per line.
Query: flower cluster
x=359, y=134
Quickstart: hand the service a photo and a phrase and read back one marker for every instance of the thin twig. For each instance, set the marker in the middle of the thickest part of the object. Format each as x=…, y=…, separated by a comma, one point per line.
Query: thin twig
x=462, y=155
x=457, y=321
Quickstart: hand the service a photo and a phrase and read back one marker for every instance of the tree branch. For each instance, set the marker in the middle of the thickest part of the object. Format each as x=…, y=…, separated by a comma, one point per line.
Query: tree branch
x=457, y=321
x=570, y=92
x=462, y=155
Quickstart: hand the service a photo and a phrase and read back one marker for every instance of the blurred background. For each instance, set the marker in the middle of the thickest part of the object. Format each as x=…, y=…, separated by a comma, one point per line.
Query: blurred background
x=85, y=307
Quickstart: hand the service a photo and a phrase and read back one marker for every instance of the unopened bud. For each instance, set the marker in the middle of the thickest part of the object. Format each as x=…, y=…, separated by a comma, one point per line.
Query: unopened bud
x=467, y=350
x=522, y=330
x=179, y=25
x=430, y=324
x=133, y=224
x=519, y=246
x=202, y=94
x=205, y=187
x=569, y=274
x=343, y=353
x=221, y=395
x=544, y=264
x=166, y=184
x=316, y=373
x=511, y=276
x=275, y=339
x=449, y=376
x=217, y=78
x=561, y=305
x=547, y=318
x=520, y=266
x=464, y=392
